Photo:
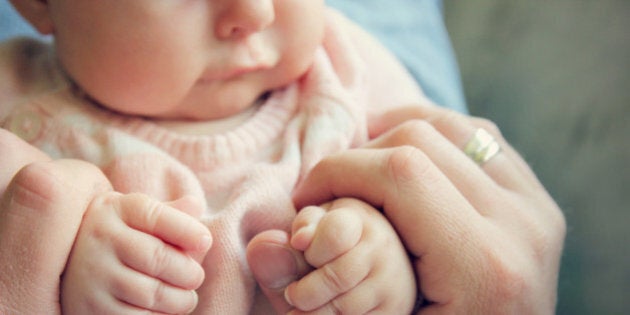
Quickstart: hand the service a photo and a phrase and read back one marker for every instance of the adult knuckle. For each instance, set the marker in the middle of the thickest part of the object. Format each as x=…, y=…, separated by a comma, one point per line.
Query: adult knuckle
x=46, y=182
x=548, y=240
x=449, y=118
x=559, y=224
x=546, y=231
x=37, y=172
x=510, y=276
x=413, y=132
x=406, y=163
x=40, y=180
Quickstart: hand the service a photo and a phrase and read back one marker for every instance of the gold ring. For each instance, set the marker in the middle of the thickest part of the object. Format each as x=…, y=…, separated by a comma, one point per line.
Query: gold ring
x=482, y=147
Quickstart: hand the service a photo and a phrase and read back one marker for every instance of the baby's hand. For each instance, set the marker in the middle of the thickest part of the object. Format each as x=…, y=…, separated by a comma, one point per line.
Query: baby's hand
x=134, y=253
x=361, y=264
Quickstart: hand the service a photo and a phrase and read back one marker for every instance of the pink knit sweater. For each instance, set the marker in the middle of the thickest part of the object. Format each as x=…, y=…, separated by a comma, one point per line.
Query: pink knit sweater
x=245, y=174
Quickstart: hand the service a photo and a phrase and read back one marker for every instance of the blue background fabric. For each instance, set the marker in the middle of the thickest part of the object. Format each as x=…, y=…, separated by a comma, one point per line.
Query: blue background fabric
x=413, y=29
x=12, y=24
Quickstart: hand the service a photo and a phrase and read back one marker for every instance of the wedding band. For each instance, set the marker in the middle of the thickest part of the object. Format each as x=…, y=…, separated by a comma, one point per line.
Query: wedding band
x=482, y=147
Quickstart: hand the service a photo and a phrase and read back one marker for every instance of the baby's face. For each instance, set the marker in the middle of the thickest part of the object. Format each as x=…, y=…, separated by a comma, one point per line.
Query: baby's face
x=196, y=59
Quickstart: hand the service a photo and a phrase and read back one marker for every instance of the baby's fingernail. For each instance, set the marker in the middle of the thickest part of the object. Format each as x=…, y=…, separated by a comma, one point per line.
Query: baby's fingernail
x=205, y=242
x=303, y=237
x=196, y=300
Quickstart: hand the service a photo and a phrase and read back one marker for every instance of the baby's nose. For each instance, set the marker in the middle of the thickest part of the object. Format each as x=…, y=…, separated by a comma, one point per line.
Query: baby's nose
x=240, y=18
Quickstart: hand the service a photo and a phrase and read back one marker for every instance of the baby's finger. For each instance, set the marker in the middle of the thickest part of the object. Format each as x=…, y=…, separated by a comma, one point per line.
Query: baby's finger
x=170, y=225
x=338, y=232
x=149, y=255
x=304, y=226
x=142, y=291
x=329, y=281
x=363, y=299
x=188, y=204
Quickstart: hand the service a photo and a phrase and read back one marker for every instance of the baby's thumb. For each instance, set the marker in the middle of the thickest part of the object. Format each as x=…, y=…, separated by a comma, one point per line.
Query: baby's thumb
x=275, y=265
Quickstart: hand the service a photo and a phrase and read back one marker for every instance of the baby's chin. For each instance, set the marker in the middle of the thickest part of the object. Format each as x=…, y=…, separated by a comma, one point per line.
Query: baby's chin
x=204, y=111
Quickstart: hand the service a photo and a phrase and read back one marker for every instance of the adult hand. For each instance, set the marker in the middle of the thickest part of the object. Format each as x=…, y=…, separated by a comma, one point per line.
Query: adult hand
x=484, y=239
x=41, y=207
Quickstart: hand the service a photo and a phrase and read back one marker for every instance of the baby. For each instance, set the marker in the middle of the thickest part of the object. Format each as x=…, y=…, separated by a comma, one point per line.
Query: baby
x=203, y=116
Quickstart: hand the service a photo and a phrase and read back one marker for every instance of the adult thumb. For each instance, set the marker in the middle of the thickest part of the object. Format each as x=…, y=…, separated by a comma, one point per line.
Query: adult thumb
x=40, y=214
x=275, y=264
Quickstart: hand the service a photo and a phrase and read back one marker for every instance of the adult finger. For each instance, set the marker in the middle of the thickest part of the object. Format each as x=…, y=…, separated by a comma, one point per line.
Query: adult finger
x=275, y=265
x=16, y=153
x=507, y=168
x=462, y=259
x=414, y=194
x=520, y=164
x=40, y=214
x=471, y=181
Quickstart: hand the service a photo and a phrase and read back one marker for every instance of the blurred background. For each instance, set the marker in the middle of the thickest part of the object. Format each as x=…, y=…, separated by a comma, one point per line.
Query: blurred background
x=555, y=76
